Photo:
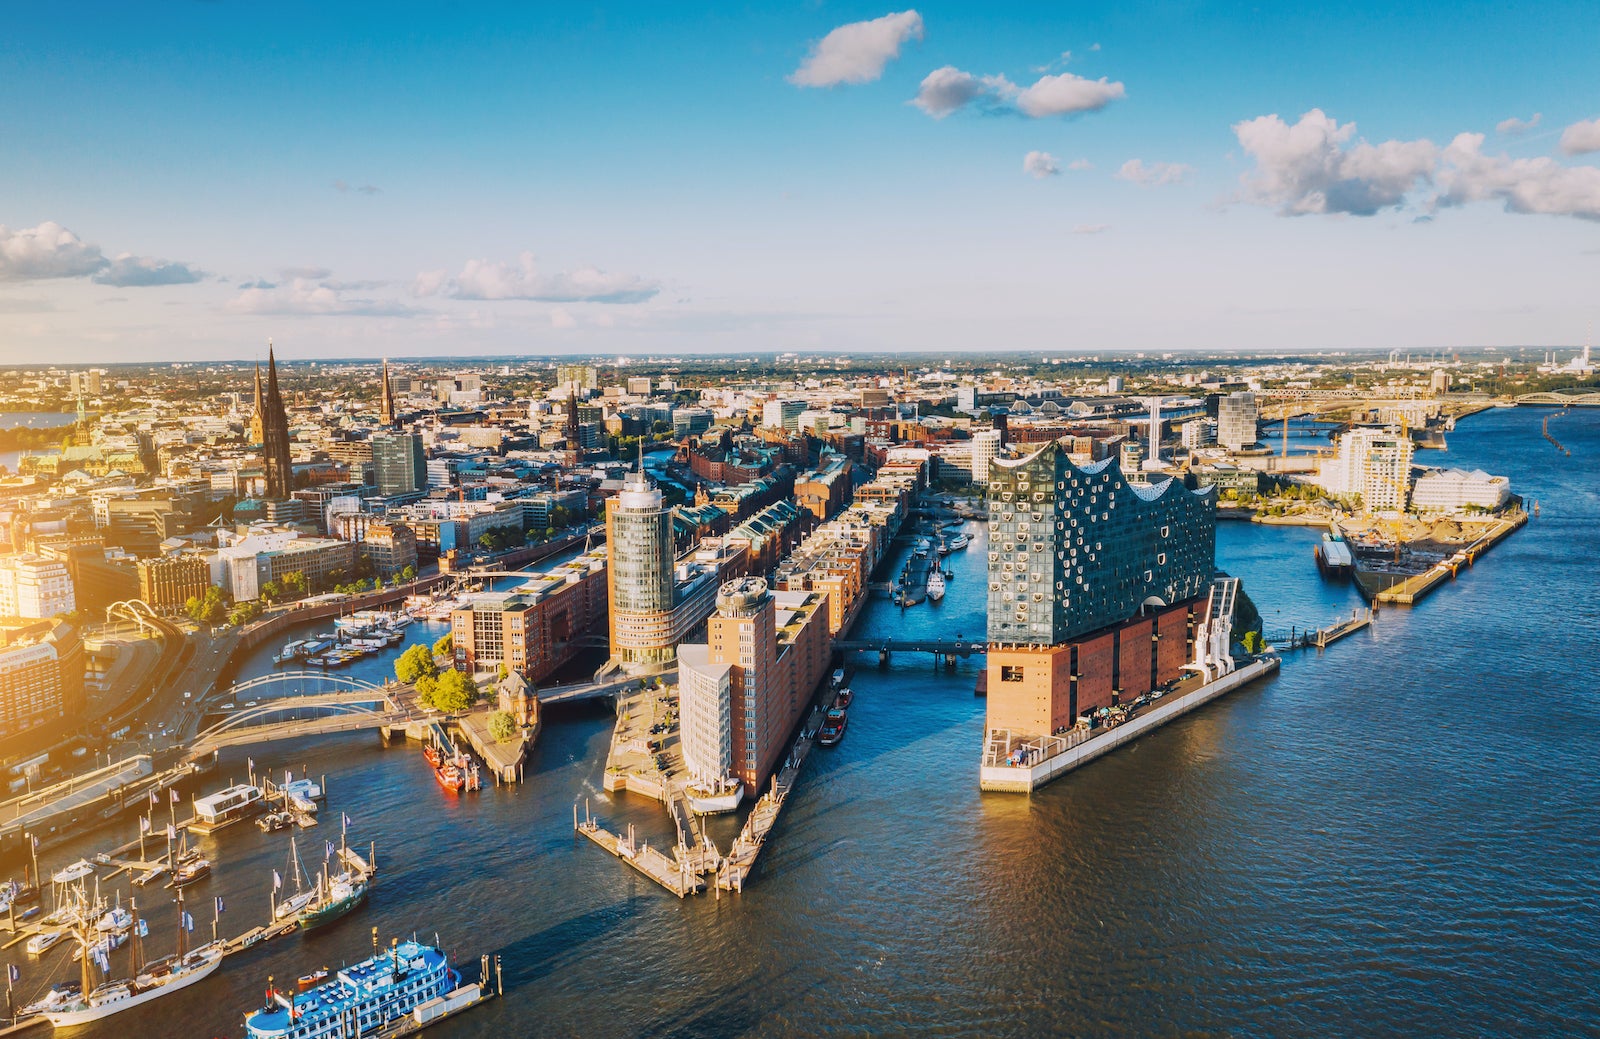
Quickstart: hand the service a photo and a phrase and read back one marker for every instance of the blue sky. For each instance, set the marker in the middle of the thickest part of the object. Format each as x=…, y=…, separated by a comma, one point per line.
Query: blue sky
x=429, y=179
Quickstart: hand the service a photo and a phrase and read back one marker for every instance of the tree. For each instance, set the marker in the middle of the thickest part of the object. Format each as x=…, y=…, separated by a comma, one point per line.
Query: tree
x=427, y=687
x=414, y=664
x=1252, y=642
x=445, y=646
x=295, y=582
x=244, y=613
x=272, y=591
x=502, y=726
x=456, y=691
x=410, y=572
x=208, y=609
x=502, y=672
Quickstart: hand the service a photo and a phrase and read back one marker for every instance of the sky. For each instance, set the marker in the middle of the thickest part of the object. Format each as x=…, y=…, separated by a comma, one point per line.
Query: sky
x=187, y=180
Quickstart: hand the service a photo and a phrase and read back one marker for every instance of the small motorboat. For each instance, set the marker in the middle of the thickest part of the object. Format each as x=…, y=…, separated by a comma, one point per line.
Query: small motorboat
x=316, y=977
x=844, y=698
x=191, y=872
x=116, y=919
x=43, y=942
x=272, y=822
x=73, y=873
x=833, y=725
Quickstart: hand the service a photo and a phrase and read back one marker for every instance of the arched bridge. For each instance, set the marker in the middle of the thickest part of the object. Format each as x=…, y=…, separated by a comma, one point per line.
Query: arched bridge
x=314, y=709
x=1560, y=400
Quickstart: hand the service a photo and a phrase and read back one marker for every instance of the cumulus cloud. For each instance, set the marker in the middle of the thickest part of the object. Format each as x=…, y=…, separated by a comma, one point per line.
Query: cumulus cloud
x=1312, y=166
x=1080, y=164
x=949, y=89
x=305, y=296
x=46, y=251
x=1538, y=185
x=1515, y=127
x=1040, y=165
x=1066, y=94
x=129, y=271
x=857, y=52
x=1136, y=171
x=1581, y=137
x=1091, y=228
x=51, y=251
x=490, y=279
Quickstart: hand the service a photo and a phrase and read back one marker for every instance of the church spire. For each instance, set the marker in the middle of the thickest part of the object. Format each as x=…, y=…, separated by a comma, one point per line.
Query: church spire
x=275, y=435
x=386, y=398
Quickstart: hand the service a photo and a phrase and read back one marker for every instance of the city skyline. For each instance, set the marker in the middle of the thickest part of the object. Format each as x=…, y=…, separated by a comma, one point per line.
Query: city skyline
x=185, y=183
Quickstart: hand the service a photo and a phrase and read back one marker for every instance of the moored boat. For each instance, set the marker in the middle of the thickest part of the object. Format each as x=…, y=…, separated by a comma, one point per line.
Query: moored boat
x=316, y=977
x=191, y=873
x=73, y=873
x=936, y=585
x=833, y=726
x=844, y=697
x=43, y=942
x=388, y=985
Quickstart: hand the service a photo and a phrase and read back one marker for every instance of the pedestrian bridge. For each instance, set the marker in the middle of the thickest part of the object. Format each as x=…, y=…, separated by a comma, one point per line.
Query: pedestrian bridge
x=884, y=647
x=291, y=704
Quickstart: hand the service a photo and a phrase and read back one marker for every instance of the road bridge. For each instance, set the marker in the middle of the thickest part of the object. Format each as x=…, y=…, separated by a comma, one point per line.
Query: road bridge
x=945, y=649
x=1560, y=400
x=313, y=709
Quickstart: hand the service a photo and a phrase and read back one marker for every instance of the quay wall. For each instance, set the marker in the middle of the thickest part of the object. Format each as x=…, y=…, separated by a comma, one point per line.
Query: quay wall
x=1006, y=779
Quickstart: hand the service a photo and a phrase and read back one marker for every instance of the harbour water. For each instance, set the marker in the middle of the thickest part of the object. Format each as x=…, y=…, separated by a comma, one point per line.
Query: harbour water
x=1395, y=837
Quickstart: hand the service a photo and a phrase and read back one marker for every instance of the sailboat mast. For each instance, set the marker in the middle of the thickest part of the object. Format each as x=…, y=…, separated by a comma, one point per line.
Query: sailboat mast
x=136, y=942
x=84, y=929
x=183, y=935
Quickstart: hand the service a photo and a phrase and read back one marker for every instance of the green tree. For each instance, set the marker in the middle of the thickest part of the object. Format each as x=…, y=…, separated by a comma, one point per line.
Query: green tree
x=456, y=691
x=1252, y=642
x=414, y=664
x=410, y=572
x=502, y=726
x=211, y=608
x=445, y=646
x=502, y=672
x=295, y=583
x=272, y=591
x=427, y=688
x=244, y=613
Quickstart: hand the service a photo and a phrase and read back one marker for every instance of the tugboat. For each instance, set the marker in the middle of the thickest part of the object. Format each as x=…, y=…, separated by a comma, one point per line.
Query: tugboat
x=833, y=725
x=843, y=699
x=379, y=989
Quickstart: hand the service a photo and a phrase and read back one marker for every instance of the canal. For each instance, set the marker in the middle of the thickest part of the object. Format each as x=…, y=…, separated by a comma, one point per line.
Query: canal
x=1394, y=837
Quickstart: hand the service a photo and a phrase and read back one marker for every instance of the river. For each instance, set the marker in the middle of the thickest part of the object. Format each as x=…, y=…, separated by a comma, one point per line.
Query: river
x=1394, y=837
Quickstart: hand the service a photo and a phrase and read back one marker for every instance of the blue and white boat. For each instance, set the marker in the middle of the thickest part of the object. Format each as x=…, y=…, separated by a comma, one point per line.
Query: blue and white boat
x=360, y=998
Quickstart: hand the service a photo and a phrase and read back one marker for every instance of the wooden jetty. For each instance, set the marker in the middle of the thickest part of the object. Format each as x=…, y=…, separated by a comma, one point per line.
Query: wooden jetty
x=741, y=858
x=670, y=874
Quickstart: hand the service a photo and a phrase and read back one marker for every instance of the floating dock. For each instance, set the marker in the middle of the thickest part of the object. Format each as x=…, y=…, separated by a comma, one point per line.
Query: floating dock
x=670, y=874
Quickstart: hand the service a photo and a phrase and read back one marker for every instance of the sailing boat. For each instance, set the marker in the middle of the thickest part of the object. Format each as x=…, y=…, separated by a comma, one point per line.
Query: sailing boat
x=290, y=906
x=65, y=1008
x=337, y=895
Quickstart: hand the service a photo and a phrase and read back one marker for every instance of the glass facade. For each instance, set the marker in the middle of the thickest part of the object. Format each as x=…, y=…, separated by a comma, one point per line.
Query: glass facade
x=1073, y=550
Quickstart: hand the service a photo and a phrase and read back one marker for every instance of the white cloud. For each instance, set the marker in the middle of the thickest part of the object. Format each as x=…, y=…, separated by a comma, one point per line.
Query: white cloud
x=1311, y=167
x=51, y=251
x=1040, y=165
x=1581, y=137
x=1091, y=228
x=1135, y=171
x=490, y=279
x=1080, y=164
x=1515, y=127
x=304, y=296
x=944, y=90
x=129, y=271
x=561, y=318
x=1066, y=94
x=857, y=52
x=46, y=251
x=1538, y=185
x=948, y=89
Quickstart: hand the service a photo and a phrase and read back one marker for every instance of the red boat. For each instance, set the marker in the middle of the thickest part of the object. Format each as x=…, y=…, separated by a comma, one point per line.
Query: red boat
x=431, y=754
x=843, y=698
x=451, y=777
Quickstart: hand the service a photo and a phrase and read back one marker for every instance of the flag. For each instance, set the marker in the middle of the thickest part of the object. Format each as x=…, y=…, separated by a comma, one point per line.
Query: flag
x=188, y=922
x=13, y=973
x=102, y=961
x=144, y=824
x=277, y=881
x=172, y=833
x=174, y=793
x=220, y=905
x=250, y=764
x=144, y=929
x=344, y=820
x=329, y=851
x=152, y=798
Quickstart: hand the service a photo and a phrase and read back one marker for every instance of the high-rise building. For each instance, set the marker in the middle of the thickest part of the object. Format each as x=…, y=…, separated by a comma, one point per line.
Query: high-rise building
x=639, y=572
x=389, y=547
x=782, y=414
x=34, y=586
x=275, y=435
x=386, y=398
x=166, y=584
x=41, y=678
x=1373, y=464
x=1093, y=583
x=578, y=377
x=399, y=463
x=985, y=446
x=1236, y=420
x=537, y=628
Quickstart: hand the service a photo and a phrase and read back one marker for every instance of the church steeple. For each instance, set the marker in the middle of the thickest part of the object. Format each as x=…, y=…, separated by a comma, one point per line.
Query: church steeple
x=386, y=398
x=255, y=414
x=275, y=435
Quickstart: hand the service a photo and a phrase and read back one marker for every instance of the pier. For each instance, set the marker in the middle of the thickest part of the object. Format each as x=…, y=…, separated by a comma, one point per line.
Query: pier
x=741, y=858
x=1322, y=638
x=671, y=874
